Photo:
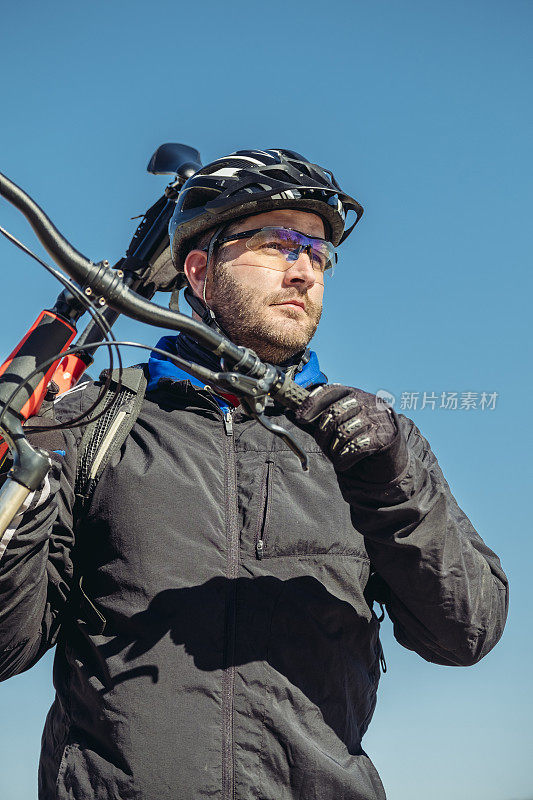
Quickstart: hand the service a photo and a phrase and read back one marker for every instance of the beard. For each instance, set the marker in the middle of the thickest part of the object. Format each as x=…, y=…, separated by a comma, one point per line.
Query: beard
x=243, y=314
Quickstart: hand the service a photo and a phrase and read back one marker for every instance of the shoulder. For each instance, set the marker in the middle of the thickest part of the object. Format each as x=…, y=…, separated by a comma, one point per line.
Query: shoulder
x=420, y=447
x=75, y=401
x=415, y=439
x=109, y=386
x=42, y=430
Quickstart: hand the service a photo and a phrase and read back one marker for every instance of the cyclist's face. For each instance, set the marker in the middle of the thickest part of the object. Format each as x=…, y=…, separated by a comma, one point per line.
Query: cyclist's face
x=273, y=311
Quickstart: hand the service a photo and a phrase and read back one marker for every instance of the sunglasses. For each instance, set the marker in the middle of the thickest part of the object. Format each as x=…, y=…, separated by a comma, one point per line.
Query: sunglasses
x=280, y=247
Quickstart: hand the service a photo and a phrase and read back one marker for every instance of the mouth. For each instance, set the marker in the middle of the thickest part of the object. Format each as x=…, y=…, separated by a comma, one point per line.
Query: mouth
x=292, y=304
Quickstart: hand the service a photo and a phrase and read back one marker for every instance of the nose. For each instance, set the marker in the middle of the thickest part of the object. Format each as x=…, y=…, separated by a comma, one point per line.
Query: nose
x=301, y=271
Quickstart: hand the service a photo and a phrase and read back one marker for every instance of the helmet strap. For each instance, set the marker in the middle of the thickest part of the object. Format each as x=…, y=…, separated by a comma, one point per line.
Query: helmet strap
x=201, y=306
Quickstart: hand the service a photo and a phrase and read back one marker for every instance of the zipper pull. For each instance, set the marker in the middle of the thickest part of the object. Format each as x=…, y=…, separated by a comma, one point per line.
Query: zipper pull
x=259, y=548
x=228, y=422
x=382, y=662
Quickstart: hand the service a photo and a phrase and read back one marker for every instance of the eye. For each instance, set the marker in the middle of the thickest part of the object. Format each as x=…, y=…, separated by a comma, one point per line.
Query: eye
x=319, y=260
x=275, y=245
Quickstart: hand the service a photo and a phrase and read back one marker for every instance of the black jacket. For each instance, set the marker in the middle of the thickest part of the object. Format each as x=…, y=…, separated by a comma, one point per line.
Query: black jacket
x=240, y=655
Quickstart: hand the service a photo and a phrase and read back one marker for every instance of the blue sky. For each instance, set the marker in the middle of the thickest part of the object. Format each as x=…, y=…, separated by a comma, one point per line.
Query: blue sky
x=423, y=112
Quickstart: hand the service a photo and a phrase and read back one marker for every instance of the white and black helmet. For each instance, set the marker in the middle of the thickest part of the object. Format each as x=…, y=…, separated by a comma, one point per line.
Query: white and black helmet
x=253, y=181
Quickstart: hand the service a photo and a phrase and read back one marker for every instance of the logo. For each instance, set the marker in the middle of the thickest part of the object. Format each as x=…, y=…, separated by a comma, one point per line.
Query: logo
x=384, y=398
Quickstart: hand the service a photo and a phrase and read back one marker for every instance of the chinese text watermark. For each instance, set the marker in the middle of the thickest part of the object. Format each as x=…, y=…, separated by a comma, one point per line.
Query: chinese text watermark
x=449, y=401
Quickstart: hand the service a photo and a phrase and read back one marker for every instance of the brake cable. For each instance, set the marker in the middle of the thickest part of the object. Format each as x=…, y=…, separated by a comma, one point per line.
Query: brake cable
x=24, y=378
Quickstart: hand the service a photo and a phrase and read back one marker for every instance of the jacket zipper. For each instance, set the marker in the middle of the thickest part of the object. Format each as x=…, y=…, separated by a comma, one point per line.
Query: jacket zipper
x=262, y=525
x=228, y=422
x=232, y=571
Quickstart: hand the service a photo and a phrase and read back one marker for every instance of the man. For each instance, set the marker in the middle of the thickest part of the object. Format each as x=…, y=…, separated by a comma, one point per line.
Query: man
x=212, y=606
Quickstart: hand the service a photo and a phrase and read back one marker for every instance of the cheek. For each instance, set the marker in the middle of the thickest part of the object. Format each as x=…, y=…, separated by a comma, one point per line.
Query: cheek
x=316, y=294
x=258, y=281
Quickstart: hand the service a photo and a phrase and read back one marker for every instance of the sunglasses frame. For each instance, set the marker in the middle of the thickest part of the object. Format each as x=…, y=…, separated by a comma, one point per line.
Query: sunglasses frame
x=250, y=233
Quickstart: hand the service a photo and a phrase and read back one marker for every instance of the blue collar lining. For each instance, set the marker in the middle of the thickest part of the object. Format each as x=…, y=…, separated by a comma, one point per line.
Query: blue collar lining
x=160, y=367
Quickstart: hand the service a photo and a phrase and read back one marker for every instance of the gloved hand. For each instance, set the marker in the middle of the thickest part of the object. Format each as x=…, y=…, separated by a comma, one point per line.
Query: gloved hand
x=355, y=432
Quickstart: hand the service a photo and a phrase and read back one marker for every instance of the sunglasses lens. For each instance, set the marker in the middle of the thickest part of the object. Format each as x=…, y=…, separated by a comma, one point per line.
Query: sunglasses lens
x=284, y=246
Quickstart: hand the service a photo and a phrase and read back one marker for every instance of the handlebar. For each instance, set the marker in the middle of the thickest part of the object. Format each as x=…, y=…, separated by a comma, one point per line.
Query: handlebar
x=101, y=281
x=246, y=375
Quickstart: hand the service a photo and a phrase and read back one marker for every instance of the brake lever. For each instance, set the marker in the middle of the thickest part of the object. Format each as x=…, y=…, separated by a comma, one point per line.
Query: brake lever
x=286, y=437
x=254, y=398
x=256, y=407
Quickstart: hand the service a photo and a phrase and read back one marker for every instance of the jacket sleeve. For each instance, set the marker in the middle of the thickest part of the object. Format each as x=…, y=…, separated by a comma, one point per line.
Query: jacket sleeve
x=36, y=568
x=444, y=589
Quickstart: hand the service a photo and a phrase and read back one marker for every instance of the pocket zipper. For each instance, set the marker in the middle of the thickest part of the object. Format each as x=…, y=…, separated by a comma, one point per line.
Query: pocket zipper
x=265, y=511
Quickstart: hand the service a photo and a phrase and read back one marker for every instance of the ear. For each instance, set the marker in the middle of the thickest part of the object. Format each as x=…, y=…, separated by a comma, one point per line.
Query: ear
x=194, y=267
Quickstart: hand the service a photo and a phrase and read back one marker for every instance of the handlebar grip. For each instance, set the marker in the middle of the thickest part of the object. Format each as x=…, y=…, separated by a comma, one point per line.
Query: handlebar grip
x=291, y=394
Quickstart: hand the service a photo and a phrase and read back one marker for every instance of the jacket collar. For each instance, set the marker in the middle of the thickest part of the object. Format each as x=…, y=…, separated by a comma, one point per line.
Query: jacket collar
x=160, y=367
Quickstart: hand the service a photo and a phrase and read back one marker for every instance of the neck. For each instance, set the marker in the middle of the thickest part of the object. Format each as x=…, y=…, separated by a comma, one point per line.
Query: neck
x=192, y=350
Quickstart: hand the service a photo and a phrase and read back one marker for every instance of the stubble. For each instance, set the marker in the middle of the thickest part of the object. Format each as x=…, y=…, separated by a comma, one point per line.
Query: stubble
x=243, y=314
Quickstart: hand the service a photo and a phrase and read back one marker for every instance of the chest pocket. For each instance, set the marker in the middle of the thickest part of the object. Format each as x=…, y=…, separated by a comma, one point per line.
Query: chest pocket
x=301, y=513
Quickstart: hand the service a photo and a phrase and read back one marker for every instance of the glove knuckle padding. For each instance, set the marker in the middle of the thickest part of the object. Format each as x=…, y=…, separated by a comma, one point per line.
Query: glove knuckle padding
x=334, y=425
x=319, y=401
x=348, y=424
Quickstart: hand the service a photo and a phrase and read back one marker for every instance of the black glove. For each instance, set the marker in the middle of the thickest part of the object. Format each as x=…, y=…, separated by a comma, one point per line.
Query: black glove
x=355, y=432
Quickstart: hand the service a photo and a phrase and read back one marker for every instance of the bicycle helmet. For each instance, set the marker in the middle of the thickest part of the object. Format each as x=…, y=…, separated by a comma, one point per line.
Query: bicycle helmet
x=253, y=181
